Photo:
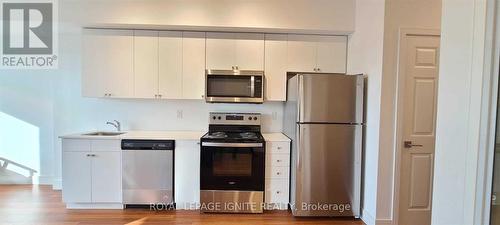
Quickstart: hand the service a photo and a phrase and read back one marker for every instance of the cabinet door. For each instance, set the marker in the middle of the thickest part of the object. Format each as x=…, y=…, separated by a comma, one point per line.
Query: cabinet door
x=193, y=65
x=108, y=63
x=106, y=177
x=187, y=173
x=301, y=53
x=249, y=51
x=170, y=64
x=221, y=50
x=145, y=64
x=275, y=67
x=76, y=177
x=331, y=54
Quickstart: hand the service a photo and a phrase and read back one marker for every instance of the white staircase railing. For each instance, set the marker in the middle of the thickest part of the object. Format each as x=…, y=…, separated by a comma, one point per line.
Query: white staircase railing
x=5, y=162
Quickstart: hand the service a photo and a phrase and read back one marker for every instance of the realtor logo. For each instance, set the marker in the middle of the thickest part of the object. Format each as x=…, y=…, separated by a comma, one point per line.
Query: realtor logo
x=29, y=37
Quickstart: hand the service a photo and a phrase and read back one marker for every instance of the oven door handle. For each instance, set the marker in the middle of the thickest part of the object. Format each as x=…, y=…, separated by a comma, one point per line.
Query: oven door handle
x=236, y=145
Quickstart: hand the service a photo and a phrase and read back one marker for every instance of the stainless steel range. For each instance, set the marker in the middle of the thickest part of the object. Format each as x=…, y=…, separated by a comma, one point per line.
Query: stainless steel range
x=232, y=164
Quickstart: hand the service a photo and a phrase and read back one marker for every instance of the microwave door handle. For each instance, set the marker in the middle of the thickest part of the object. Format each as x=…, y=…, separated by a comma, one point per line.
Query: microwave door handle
x=252, y=86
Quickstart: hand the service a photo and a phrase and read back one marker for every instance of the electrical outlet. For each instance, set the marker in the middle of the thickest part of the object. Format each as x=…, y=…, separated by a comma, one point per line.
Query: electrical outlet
x=179, y=114
x=275, y=115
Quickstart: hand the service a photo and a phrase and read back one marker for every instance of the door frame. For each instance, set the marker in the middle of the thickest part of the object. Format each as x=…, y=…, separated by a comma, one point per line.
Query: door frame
x=400, y=90
x=488, y=121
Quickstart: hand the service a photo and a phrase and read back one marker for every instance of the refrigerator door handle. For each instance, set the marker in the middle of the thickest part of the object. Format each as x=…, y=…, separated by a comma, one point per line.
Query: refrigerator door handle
x=300, y=100
x=302, y=131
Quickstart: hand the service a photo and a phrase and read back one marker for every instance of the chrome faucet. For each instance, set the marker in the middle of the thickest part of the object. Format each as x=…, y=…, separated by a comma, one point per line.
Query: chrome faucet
x=116, y=124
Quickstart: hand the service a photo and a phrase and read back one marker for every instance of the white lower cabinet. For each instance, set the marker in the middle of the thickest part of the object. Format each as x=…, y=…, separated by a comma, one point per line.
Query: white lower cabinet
x=106, y=177
x=187, y=174
x=277, y=185
x=91, y=174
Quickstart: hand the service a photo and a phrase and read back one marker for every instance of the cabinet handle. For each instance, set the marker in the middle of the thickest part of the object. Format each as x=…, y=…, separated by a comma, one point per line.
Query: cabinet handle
x=156, y=96
x=278, y=160
x=88, y=155
x=159, y=96
x=278, y=192
x=279, y=147
x=278, y=173
x=319, y=69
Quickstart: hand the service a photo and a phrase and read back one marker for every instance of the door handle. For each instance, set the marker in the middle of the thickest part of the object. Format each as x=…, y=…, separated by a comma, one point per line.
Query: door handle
x=409, y=144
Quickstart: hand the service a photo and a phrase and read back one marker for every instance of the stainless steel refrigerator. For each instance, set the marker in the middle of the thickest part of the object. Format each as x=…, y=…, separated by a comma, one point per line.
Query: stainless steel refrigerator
x=324, y=118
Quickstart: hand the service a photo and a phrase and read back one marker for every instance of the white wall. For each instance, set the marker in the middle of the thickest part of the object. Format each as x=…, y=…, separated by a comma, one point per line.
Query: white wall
x=73, y=113
x=421, y=14
x=296, y=14
x=26, y=123
x=365, y=56
x=459, y=109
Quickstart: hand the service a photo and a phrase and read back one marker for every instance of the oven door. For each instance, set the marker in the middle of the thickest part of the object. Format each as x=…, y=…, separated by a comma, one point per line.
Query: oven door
x=222, y=86
x=232, y=166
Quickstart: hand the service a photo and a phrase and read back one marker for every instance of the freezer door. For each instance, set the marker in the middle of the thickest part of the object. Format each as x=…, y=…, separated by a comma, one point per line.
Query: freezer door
x=326, y=171
x=330, y=98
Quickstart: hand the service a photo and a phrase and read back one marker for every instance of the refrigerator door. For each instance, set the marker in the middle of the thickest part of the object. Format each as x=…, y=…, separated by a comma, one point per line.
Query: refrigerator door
x=330, y=98
x=326, y=170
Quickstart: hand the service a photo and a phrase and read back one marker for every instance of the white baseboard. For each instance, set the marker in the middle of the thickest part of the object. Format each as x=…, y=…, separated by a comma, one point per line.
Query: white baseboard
x=57, y=183
x=368, y=218
x=94, y=206
x=384, y=222
x=45, y=180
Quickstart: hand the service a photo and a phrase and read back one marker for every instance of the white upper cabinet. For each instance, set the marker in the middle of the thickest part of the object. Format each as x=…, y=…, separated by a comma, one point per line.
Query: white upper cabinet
x=108, y=63
x=220, y=51
x=249, y=51
x=170, y=72
x=244, y=51
x=331, y=54
x=171, y=64
x=301, y=53
x=275, y=67
x=145, y=64
x=193, y=65
x=312, y=53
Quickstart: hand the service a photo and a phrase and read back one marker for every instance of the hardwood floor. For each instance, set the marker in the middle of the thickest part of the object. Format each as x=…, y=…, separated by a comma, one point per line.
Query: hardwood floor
x=40, y=205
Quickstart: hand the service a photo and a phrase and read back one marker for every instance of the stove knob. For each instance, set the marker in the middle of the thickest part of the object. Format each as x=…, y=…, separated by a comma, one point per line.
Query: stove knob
x=214, y=117
x=219, y=118
x=255, y=118
x=250, y=118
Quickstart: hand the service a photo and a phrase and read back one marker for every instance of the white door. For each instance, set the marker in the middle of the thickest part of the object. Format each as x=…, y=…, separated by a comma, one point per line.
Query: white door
x=249, y=51
x=221, y=50
x=275, y=67
x=301, y=53
x=193, y=65
x=76, y=177
x=187, y=175
x=420, y=63
x=331, y=54
x=108, y=63
x=106, y=177
x=145, y=64
x=170, y=63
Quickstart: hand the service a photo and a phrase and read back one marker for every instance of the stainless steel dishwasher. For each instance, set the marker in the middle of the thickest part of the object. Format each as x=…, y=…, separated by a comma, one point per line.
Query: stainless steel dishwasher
x=148, y=172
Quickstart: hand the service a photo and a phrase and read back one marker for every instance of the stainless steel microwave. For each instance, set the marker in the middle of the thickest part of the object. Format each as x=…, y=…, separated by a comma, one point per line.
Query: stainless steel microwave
x=234, y=86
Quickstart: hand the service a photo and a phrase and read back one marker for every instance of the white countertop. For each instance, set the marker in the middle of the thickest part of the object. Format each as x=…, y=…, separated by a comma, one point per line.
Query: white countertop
x=275, y=137
x=174, y=135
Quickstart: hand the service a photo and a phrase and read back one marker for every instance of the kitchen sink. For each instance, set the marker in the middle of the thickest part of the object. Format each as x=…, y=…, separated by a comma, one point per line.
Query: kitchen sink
x=103, y=133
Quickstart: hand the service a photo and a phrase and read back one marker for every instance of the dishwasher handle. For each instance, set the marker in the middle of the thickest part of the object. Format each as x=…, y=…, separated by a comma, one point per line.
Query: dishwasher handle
x=157, y=145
